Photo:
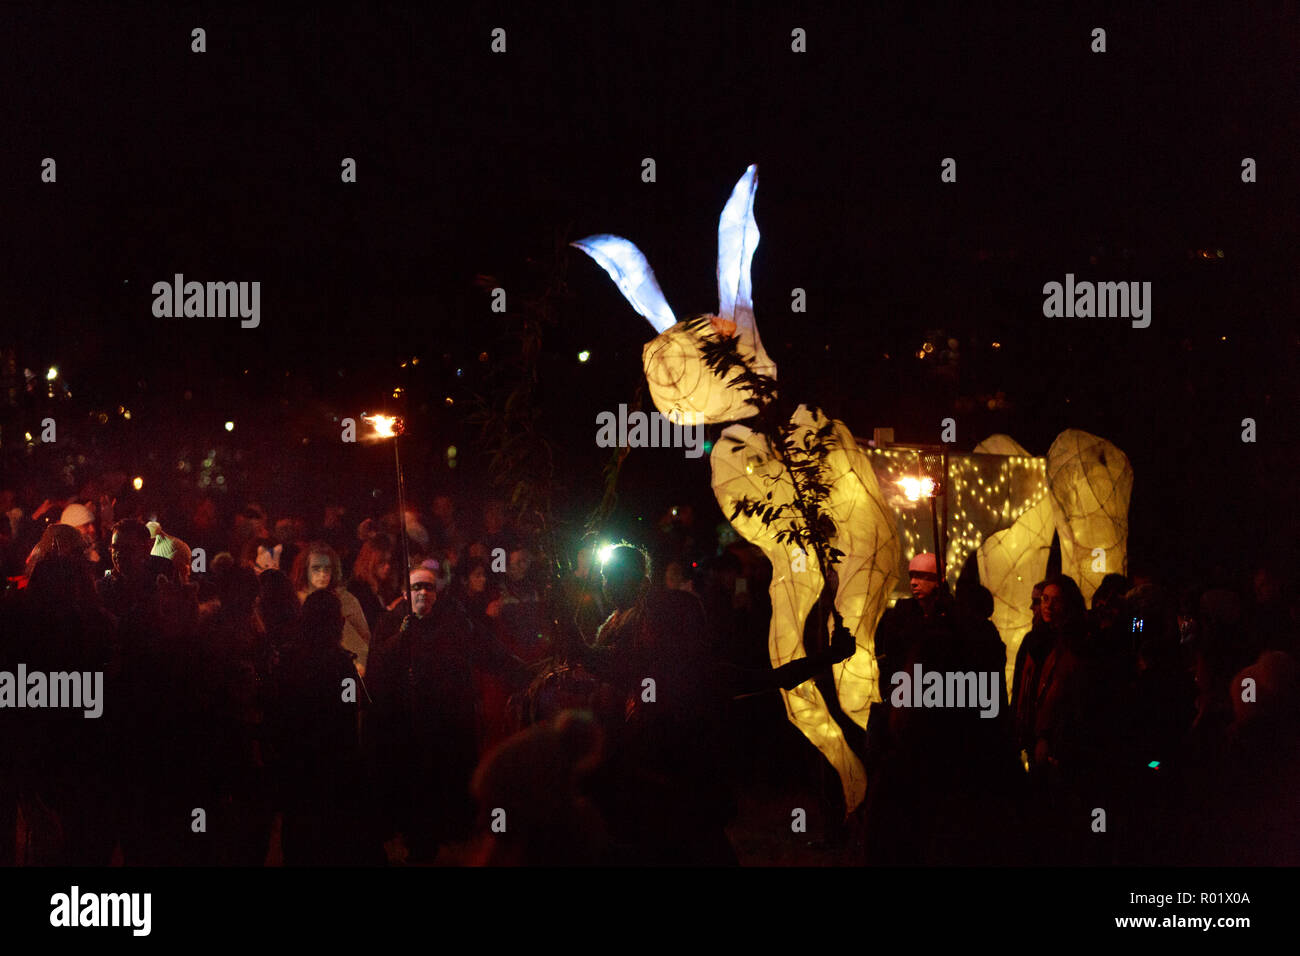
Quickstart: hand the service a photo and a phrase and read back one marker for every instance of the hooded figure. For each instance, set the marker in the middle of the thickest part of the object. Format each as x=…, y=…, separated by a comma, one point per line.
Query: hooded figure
x=59, y=540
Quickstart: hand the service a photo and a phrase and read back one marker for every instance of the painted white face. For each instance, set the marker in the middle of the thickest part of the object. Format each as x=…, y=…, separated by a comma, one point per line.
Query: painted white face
x=320, y=572
x=424, y=592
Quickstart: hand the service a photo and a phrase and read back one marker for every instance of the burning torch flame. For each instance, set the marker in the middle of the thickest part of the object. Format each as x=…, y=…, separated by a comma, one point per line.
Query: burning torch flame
x=385, y=426
x=917, y=488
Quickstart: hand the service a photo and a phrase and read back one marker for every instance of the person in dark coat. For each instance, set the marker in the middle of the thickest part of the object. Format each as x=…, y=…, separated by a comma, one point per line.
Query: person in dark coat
x=903, y=746
x=315, y=732
x=426, y=725
x=57, y=764
x=1030, y=657
x=662, y=787
x=130, y=584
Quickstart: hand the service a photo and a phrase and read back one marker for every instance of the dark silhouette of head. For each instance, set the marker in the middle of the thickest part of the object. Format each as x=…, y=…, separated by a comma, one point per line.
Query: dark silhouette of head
x=625, y=573
x=1112, y=589
x=277, y=603
x=322, y=620
x=130, y=548
x=62, y=579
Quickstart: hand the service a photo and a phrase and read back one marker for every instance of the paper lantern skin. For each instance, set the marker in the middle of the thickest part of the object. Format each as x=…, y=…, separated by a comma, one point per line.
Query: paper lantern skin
x=1088, y=478
x=683, y=387
x=1011, y=562
x=1091, y=482
x=743, y=467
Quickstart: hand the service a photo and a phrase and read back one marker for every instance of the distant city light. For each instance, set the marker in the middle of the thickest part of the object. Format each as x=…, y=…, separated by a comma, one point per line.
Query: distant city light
x=52, y=374
x=584, y=355
x=137, y=482
x=230, y=426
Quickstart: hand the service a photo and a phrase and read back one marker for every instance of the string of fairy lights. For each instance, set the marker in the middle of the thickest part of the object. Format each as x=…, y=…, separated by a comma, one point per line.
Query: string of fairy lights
x=985, y=494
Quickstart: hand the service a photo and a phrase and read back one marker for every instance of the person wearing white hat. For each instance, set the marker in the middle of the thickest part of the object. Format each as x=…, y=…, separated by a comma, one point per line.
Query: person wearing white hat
x=82, y=518
x=176, y=551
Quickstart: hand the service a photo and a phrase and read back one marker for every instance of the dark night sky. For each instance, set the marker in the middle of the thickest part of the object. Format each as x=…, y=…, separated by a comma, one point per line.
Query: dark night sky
x=225, y=166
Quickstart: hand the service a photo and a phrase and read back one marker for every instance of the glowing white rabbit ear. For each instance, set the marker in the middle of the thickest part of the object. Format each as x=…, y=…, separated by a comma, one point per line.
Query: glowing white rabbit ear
x=737, y=240
x=627, y=266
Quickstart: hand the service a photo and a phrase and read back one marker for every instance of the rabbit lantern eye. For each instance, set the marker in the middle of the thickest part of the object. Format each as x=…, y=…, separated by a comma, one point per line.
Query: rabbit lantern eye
x=724, y=327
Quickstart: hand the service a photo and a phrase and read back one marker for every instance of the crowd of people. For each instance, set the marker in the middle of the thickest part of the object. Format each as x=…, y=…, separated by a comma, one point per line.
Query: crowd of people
x=277, y=692
x=1151, y=728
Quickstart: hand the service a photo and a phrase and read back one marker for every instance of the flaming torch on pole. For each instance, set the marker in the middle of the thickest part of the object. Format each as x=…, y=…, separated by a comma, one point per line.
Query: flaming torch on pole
x=923, y=486
x=390, y=426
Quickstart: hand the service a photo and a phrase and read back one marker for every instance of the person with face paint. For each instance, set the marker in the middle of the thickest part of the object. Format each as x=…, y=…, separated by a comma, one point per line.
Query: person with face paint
x=427, y=725
x=317, y=568
x=261, y=554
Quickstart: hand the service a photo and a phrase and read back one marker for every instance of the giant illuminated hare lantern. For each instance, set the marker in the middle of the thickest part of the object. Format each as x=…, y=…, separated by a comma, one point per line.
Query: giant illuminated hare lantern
x=688, y=391
x=1012, y=507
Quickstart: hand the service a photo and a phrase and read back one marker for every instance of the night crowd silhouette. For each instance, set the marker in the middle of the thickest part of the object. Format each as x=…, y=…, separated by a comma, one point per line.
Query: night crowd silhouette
x=281, y=702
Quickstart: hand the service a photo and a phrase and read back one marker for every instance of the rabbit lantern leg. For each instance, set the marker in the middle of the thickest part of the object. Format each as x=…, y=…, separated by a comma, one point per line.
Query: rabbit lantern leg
x=744, y=468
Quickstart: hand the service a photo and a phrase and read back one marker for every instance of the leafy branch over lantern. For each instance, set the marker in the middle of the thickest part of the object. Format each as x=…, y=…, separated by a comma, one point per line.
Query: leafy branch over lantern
x=817, y=490
x=808, y=525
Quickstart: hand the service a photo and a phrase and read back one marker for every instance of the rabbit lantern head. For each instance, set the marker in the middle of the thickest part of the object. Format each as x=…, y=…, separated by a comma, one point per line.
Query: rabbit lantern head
x=683, y=387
